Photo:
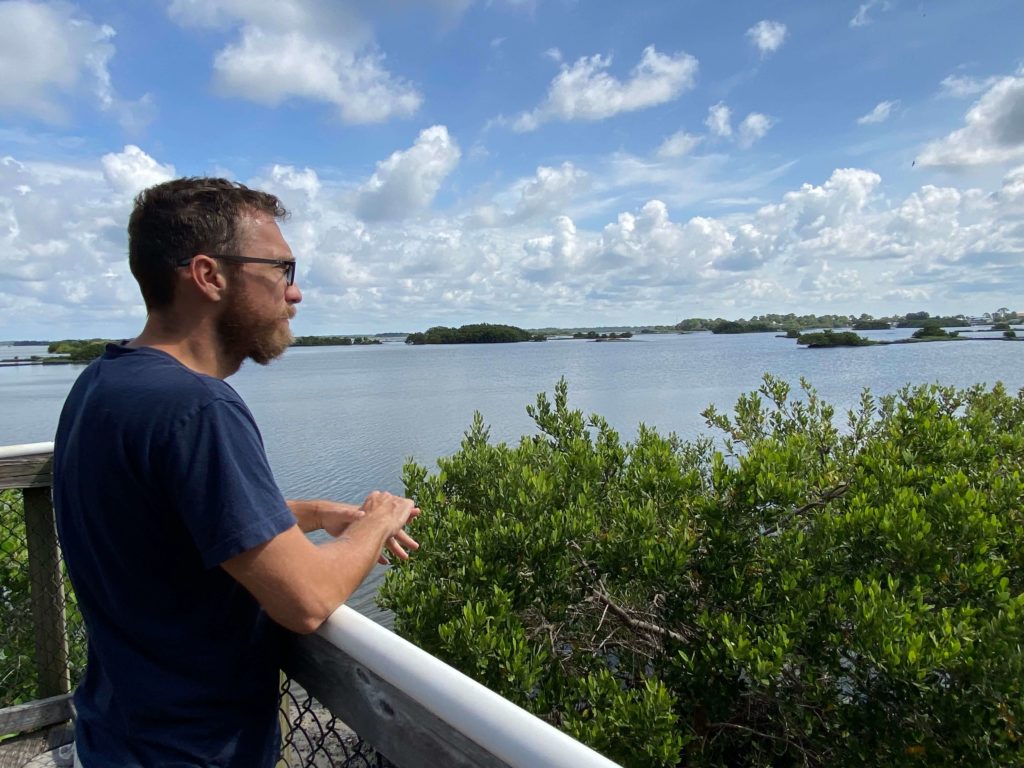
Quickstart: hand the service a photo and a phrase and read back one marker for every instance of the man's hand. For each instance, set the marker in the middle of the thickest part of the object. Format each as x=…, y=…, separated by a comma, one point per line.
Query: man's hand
x=336, y=516
x=401, y=512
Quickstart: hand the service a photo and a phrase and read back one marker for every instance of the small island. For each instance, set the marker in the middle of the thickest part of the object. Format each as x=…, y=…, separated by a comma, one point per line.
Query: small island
x=933, y=332
x=477, y=333
x=334, y=341
x=928, y=332
x=595, y=336
x=829, y=338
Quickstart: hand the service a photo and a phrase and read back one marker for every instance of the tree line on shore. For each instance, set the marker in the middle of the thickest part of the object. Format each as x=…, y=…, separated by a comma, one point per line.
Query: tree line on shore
x=334, y=341
x=793, y=322
x=792, y=325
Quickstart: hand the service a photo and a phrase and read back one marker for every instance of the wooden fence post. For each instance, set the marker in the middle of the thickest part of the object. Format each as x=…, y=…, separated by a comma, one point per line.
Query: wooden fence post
x=46, y=585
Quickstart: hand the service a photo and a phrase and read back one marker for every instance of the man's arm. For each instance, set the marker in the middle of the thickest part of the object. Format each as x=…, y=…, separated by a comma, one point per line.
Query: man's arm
x=331, y=516
x=300, y=584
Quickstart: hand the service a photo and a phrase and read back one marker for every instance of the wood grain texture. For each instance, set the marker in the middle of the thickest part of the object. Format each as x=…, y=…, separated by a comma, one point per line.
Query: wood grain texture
x=27, y=471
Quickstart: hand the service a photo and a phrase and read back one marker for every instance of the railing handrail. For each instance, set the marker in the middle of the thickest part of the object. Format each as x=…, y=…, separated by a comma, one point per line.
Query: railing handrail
x=505, y=730
x=26, y=449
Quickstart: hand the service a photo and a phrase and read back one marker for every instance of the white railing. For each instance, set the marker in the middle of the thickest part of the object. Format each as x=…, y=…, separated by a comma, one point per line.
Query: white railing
x=508, y=733
x=24, y=450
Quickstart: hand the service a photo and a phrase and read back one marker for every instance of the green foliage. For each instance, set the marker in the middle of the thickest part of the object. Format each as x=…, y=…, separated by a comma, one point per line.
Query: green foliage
x=871, y=325
x=810, y=596
x=79, y=350
x=742, y=326
x=480, y=333
x=933, y=331
x=333, y=341
x=1010, y=334
x=767, y=322
x=829, y=338
x=913, y=320
x=595, y=336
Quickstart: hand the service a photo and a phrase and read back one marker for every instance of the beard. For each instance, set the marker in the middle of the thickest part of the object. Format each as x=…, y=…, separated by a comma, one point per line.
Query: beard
x=244, y=335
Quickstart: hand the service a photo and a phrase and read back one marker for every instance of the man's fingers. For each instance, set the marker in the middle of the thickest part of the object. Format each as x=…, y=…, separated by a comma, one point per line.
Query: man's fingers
x=406, y=540
x=393, y=547
x=398, y=544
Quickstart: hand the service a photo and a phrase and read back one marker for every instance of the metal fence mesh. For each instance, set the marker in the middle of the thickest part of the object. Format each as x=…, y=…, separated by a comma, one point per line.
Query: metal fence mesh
x=23, y=644
x=17, y=654
x=311, y=736
x=314, y=737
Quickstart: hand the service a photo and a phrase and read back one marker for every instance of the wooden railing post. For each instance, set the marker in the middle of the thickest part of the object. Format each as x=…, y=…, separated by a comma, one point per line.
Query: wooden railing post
x=46, y=585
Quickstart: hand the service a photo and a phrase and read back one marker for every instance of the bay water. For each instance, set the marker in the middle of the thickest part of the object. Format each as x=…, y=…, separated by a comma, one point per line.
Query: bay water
x=339, y=422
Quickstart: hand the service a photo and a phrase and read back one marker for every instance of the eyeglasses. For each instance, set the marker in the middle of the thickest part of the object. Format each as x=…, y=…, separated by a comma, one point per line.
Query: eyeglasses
x=287, y=266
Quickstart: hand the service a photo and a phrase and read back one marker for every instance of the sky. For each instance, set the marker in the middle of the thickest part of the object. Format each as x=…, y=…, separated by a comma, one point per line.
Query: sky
x=534, y=162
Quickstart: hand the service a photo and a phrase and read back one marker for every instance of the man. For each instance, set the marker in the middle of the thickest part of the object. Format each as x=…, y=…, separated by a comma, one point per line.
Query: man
x=185, y=558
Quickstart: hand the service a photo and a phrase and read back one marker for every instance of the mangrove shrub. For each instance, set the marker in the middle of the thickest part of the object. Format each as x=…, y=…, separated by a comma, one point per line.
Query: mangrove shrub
x=805, y=594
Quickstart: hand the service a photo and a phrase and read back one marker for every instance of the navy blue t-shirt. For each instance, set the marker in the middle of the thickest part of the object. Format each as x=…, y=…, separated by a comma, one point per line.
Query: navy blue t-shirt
x=159, y=477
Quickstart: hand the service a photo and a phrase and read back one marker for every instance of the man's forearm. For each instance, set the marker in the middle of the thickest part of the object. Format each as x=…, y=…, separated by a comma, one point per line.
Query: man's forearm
x=317, y=514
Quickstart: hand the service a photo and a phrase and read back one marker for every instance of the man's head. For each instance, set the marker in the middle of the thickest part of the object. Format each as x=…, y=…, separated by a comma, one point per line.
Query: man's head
x=176, y=220
x=210, y=247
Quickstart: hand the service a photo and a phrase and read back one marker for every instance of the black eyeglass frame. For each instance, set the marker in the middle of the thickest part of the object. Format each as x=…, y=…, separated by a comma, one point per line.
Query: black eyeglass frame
x=288, y=264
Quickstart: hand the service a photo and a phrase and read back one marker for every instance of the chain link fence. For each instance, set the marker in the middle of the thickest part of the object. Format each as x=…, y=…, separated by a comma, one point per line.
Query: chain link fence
x=30, y=649
x=35, y=661
x=313, y=737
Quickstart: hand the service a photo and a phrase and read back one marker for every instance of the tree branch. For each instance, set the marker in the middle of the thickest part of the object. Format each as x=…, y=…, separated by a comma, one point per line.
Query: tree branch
x=633, y=623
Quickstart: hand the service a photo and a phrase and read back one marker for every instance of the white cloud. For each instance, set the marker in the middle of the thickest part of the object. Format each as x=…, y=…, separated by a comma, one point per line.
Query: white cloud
x=959, y=86
x=585, y=90
x=554, y=257
x=879, y=114
x=842, y=240
x=679, y=144
x=405, y=184
x=861, y=18
x=549, y=190
x=302, y=49
x=554, y=54
x=288, y=178
x=718, y=119
x=767, y=36
x=993, y=132
x=46, y=53
x=753, y=128
x=62, y=246
x=132, y=170
x=269, y=68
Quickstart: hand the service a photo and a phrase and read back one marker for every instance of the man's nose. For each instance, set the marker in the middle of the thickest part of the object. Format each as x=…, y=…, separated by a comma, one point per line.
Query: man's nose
x=293, y=295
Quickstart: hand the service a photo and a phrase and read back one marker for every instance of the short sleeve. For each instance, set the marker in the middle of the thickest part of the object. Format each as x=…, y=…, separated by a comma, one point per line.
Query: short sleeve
x=222, y=485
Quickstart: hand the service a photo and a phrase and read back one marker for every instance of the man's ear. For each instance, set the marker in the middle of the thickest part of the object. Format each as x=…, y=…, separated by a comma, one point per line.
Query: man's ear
x=206, y=275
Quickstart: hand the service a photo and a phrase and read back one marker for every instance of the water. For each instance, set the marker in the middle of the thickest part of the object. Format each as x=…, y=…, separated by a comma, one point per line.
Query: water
x=339, y=422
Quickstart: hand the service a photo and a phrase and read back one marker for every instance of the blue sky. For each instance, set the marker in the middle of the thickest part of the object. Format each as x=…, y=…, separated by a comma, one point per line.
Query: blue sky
x=539, y=162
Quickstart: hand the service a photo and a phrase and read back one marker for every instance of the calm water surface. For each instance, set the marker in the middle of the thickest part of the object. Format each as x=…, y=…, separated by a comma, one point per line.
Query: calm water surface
x=339, y=422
